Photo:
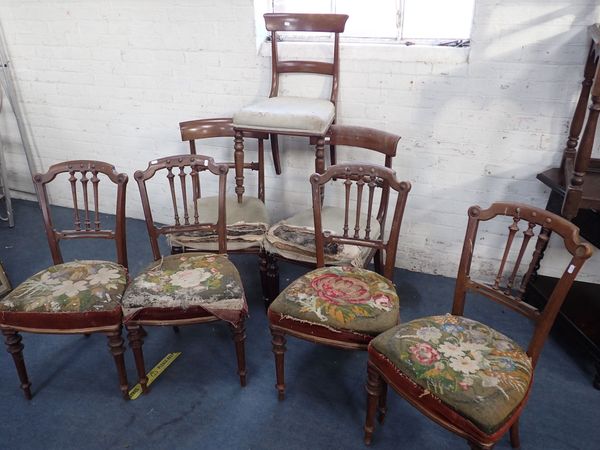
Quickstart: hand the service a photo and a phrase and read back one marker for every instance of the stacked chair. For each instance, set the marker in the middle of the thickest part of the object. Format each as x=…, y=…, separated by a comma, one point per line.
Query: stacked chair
x=292, y=115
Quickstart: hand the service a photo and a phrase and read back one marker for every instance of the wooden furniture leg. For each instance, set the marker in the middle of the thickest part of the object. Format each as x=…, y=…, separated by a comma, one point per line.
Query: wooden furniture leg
x=115, y=343
x=274, y=138
x=278, y=342
x=238, y=159
x=135, y=334
x=515, y=441
x=382, y=406
x=272, y=278
x=264, y=281
x=373, y=387
x=239, y=337
x=15, y=348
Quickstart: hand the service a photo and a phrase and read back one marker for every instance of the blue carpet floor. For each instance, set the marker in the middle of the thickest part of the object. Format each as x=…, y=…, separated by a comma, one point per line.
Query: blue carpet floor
x=198, y=402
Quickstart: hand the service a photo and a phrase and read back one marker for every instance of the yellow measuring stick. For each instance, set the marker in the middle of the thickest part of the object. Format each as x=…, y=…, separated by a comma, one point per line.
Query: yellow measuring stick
x=136, y=391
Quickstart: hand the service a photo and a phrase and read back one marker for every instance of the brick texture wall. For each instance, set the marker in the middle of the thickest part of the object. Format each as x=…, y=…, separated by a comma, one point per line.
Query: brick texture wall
x=112, y=79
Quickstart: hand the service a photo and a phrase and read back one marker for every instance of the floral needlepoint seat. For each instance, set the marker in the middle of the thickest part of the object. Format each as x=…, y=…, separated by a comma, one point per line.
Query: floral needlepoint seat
x=344, y=306
x=75, y=288
x=187, y=281
x=480, y=373
x=462, y=374
x=340, y=298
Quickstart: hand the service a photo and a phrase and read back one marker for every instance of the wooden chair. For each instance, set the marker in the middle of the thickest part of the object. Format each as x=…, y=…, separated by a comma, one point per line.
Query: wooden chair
x=289, y=115
x=292, y=239
x=461, y=373
x=247, y=222
x=186, y=288
x=343, y=307
x=78, y=297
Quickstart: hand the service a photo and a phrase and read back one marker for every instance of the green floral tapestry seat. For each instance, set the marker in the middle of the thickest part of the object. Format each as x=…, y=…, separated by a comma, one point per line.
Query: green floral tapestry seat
x=341, y=298
x=188, y=280
x=74, y=287
x=478, y=372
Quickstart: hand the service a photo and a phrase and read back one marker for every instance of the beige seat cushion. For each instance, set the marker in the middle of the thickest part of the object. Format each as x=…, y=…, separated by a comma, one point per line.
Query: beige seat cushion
x=247, y=223
x=294, y=238
x=287, y=114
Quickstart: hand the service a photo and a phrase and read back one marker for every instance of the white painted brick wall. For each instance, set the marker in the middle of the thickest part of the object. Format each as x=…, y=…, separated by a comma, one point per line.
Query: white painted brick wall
x=112, y=79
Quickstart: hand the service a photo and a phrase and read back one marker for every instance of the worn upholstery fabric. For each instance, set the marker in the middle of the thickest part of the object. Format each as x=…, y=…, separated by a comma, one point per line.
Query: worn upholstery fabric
x=287, y=114
x=477, y=371
x=73, y=287
x=294, y=238
x=187, y=280
x=345, y=298
x=247, y=223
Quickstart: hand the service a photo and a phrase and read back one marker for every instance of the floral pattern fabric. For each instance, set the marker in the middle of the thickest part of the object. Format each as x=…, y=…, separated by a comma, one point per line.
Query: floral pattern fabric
x=346, y=298
x=77, y=286
x=479, y=372
x=185, y=280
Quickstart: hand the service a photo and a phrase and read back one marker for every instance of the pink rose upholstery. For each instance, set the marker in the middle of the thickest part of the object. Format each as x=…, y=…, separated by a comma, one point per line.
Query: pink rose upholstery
x=341, y=298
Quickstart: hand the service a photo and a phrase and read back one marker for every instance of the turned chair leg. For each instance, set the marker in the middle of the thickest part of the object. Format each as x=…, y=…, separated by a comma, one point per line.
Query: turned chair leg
x=382, y=405
x=15, y=348
x=115, y=344
x=135, y=334
x=378, y=262
x=264, y=282
x=332, y=158
x=374, y=391
x=278, y=342
x=239, y=337
x=275, y=151
x=272, y=278
x=515, y=441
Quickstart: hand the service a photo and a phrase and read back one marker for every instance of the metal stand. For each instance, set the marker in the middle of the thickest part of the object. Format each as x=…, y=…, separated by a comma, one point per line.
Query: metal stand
x=7, y=87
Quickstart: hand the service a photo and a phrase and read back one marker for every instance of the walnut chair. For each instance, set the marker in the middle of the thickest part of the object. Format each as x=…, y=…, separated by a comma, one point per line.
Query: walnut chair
x=247, y=222
x=343, y=306
x=190, y=287
x=78, y=297
x=293, y=239
x=461, y=373
x=289, y=115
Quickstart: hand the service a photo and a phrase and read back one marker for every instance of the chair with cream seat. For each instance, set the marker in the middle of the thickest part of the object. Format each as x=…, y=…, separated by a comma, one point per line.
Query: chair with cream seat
x=463, y=374
x=343, y=306
x=248, y=221
x=293, y=239
x=292, y=115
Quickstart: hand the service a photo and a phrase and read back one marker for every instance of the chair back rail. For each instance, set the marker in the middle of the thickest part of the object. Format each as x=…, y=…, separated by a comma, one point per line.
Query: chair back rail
x=370, y=139
x=223, y=127
x=184, y=168
x=86, y=205
x=505, y=289
x=357, y=231
x=329, y=23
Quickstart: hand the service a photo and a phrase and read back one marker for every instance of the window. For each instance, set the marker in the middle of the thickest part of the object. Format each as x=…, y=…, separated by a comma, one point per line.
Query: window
x=445, y=22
